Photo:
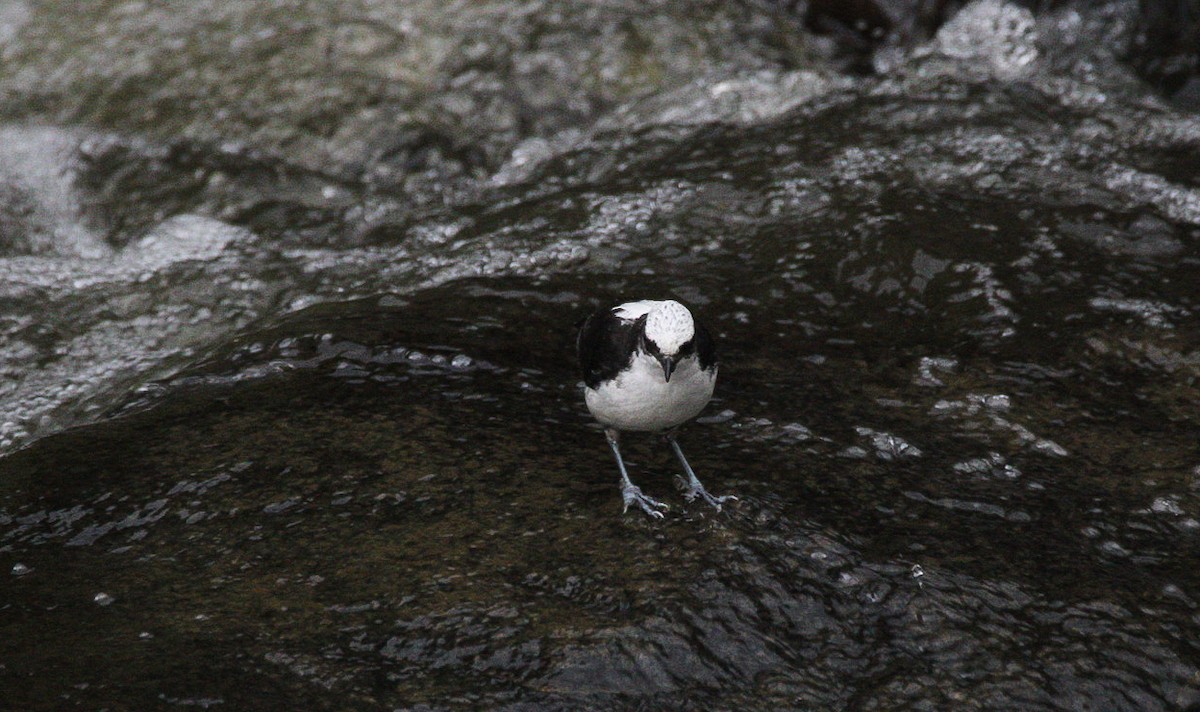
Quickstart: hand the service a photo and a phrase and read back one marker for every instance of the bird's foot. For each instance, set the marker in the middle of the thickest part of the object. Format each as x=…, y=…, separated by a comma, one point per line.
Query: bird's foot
x=633, y=495
x=692, y=491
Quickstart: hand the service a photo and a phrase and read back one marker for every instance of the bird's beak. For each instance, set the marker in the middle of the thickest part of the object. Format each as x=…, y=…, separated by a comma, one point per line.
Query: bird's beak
x=668, y=365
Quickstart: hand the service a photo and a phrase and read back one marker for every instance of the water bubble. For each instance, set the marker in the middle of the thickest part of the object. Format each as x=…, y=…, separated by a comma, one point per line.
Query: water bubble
x=1049, y=447
x=103, y=599
x=20, y=569
x=994, y=465
x=928, y=365
x=888, y=446
x=1166, y=505
x=847, y=578
x=1152, y=313
x=1112, y=548
x=990, y=401
x=796, y=432
x=281, y=506
x=723, y=417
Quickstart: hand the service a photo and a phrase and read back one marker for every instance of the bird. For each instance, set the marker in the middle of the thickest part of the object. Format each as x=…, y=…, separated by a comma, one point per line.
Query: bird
x=648, y=366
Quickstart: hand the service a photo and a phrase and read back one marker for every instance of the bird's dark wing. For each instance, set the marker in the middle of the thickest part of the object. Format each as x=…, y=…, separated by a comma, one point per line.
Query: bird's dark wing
x=706, y=348
x=606, y=344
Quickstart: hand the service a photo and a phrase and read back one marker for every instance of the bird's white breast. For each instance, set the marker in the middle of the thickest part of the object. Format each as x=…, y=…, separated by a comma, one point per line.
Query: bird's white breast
x=640, y=399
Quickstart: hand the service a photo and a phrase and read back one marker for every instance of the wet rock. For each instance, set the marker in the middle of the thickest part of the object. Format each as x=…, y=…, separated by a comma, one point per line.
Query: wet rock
x=409, y=89
x=327, y=430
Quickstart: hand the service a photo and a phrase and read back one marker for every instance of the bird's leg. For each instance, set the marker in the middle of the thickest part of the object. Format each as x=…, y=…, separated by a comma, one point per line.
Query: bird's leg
x=692, y=488
x=629, y=491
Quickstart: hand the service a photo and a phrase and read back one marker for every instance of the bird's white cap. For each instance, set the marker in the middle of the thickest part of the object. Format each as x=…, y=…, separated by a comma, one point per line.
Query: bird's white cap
x=669, y=325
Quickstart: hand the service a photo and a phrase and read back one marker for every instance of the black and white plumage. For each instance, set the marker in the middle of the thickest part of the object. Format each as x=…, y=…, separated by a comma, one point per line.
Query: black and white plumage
x=648, y=366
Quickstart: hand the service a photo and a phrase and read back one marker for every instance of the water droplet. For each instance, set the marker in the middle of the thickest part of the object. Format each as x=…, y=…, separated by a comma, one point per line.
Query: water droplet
x=1166, y=505
x=888, y=446
x=848, y=579
x=722, y=417
x=103, y=599
x=1114, y=549
x=20, y=569
x=928, y=365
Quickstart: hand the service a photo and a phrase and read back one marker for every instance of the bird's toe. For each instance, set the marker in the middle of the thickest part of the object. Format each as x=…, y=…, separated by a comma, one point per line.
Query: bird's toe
x=692, y=492
x=649, y=505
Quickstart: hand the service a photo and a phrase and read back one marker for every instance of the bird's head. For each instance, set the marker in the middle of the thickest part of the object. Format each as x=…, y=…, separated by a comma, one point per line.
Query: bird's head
x=670, y=331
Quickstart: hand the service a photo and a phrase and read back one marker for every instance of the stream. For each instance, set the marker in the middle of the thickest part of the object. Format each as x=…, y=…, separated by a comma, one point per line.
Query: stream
x=290, y=416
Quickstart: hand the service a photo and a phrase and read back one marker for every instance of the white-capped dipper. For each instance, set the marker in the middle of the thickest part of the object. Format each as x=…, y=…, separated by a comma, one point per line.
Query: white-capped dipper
x=648, y=366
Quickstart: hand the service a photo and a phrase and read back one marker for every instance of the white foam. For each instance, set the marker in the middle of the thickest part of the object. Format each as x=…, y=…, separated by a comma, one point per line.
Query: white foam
x=37, y=167
x=998, y=35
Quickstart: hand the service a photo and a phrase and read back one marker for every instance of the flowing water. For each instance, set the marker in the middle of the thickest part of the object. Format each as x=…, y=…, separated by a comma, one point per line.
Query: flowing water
x=291, y=417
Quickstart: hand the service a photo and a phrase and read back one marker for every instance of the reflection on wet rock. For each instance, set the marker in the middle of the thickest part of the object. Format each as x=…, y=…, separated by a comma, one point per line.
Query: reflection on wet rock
x=995, y=465
x=419, y=572
x=888, y=446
